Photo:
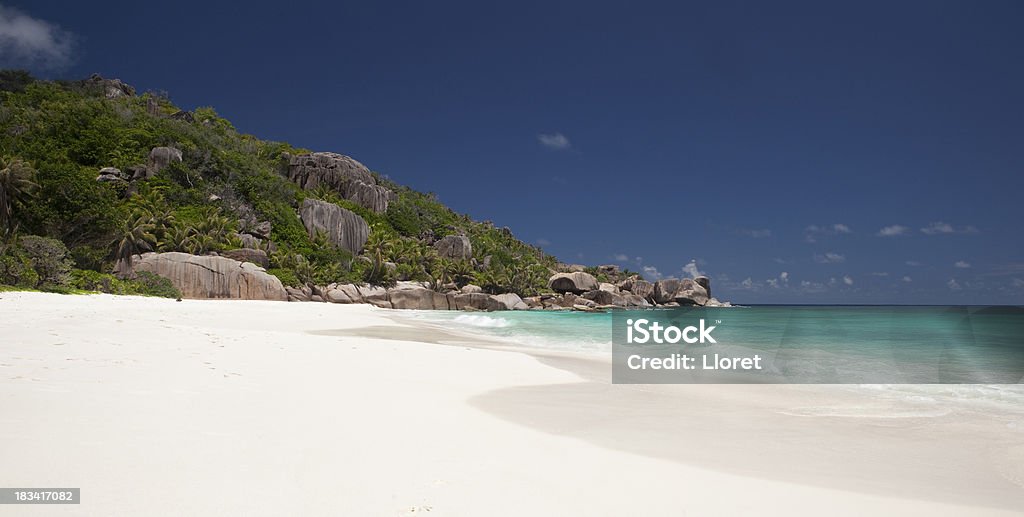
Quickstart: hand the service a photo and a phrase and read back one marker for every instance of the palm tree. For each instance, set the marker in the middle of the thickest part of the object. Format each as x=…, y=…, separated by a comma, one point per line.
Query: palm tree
x=16, y=184
x=135, y=236
x=377, y=250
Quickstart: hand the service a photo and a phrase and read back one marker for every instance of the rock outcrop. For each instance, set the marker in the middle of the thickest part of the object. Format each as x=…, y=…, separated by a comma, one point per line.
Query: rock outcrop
x=205, y=277
x=690, y=292
x=665, y=290
x=160, y=158
x=576, y=283
x=351, y=179
x=456, y=247
x=108, y=174
x=256, y=256
x=343, y=228
x=112, y=88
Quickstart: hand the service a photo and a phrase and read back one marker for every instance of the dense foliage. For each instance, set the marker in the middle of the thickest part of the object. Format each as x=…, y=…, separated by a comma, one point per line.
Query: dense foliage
x=56, y=136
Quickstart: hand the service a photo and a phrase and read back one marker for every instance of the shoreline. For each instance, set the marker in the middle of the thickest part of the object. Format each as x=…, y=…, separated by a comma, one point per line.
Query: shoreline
x=352, y=409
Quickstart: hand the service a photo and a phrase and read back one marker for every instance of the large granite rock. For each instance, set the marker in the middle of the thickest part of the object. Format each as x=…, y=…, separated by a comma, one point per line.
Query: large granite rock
x=108, y=174
x=455, y=247
x=478, y=301
x=374, y=295
x=511, y=301
x=420, y=298
x=160, y=158
x=690, y=292
x=256, y=256
x=577, y=282
x=344, y=293
x=641, y=288
x=665, y=290
x=602, y=297
x=704, y=282
x=203, y=277
x=343, y=228
x=351, y=179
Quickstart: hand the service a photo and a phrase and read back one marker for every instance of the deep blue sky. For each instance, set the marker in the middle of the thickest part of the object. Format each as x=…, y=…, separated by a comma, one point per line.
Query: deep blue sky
x=755, y=139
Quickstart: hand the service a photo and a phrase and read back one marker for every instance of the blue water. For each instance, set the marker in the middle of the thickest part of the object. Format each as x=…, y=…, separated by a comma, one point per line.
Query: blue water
x=834, y=344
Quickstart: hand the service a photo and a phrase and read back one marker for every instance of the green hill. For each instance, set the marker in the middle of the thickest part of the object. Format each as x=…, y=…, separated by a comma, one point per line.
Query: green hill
x=56, y=136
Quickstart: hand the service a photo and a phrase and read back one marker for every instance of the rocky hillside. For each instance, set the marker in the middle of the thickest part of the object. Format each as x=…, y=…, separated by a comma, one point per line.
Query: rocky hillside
x=116, y=181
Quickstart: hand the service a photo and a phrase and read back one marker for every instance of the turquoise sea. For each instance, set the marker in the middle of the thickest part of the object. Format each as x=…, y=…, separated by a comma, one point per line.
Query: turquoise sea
x=805, y=344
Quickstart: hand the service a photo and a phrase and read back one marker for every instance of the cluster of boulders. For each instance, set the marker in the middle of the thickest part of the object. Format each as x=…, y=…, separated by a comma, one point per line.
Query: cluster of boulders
x=409, y=295
x=581, y=291
x=343, y=174
x=577, y=290
x=159, y=159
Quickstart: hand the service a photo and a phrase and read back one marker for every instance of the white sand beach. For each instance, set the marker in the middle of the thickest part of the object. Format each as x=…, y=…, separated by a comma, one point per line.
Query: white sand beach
x=157, y=407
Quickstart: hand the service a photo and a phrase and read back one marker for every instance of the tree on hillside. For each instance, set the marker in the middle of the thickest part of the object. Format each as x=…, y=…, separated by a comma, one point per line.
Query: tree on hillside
x=17, y=183
x=135, y=237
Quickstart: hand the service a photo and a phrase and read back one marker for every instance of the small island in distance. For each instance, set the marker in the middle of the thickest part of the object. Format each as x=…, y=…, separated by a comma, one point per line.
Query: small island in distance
x=103, y=189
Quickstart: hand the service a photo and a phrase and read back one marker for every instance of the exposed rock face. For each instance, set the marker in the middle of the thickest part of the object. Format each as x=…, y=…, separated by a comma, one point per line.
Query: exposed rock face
x=478, y=301
x=110, y=174
x=665, y=290
x=704, y=282
x=258, y=257
x=577, y=282
x=642, y=288
x=470, y=288
x=344, y=293
x=203, y=277
x=375, y=296
x=344, y=229
x=112, y=88
x=511, y=301
x=249, y=241
x=690, y=293
x=351, y=179
x=602, y=297
x=420, y=298
x=605, y=286
x=160, y=158
x=455, y=247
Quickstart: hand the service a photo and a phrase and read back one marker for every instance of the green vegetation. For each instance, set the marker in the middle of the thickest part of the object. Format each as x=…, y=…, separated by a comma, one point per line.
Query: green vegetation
x=56, y=136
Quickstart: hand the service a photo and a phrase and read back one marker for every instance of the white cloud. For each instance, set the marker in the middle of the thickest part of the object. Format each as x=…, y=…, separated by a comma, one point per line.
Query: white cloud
x=556, y=141
x=847, y=280
x=937, y=228
x=747, y=284
x=691, y=269
x=907, y=279
x=941, y=228
x=812, y=232
x=962, y=264
x=812, y=287
x=879, y=273
x=892, y=231
x=621, y=257
x=28, y=41
x=652, y=273
x=953, y=284
x=829, y=258
x=784, y=276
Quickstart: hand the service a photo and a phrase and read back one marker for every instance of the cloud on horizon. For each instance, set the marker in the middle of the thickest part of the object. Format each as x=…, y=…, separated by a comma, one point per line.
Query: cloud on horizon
x=893, y=231
x=829, y=258
x=692, y=270
x=941, y=228
x=814, y=231
x=554, y=141
x=30, y=42
x=962, y=264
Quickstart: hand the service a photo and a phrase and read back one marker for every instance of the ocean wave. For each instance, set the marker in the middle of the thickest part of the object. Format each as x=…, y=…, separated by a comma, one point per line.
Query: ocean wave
x=479, y=320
